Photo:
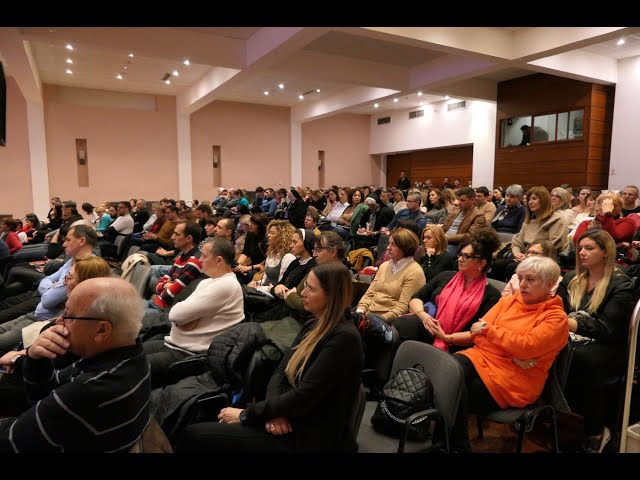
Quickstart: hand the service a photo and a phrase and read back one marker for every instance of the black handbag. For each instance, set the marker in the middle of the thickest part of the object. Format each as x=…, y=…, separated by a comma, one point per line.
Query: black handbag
x=407, y=393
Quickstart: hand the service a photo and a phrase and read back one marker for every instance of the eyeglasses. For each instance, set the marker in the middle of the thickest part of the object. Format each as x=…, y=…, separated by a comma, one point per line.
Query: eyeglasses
x=65, y=317
x=67, y=278
x=468, y=257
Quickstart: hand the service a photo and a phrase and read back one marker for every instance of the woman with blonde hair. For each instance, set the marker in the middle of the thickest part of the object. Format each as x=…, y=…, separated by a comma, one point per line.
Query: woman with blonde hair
x=598, y=298
x=310, y=395
x=278, y=258
x=435, y=259
x=561, y=201
x=399, y=203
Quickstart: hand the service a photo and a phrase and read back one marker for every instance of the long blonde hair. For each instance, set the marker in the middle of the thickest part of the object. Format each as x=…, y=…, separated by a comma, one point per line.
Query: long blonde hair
x=579, y=286
x=335, y=281
x=285, y=232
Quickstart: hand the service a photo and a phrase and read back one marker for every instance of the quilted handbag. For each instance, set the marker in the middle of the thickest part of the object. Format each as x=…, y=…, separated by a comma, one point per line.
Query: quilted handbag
x=408, y=392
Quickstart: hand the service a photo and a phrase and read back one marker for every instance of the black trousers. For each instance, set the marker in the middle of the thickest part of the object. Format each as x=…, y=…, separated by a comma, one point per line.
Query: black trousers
x=160, y=358
x=410, y=327
x=14, y=307
x=591, y=365
x=211, y=437
x=475, y=398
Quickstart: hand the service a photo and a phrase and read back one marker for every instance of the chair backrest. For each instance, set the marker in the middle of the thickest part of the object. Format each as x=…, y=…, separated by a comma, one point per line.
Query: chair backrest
x=444, y=372
x=631, y=351
x=357, y=411
x=140, y=278
x=505, y=237
x=497, y=284
x=119, y=242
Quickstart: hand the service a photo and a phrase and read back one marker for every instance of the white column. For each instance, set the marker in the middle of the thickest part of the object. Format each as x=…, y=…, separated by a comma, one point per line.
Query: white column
x=38, y=158
x=383, y=170
x=296, y=154
x=483, y=135
x=185, y=180
x=623, y=166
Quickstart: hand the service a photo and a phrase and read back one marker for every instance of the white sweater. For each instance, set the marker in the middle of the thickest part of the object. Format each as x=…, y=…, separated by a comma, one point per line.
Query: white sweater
x=216, y=305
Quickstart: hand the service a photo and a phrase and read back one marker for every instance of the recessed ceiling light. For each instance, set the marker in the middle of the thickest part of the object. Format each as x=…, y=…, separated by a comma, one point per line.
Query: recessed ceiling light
x=281, y=86
x=621, y=41
x=318, y=90
x=68, y=72
x=69, y=46
x=125, y=67
x=69, y=61
x=119, y=77
x=131, y=55
x=447, y=97
x=187, y=62
x=301, y=97
x=375, y=105
x=266, y=92
x=421, y=103
x=395, y=100
x=175, y=73
x=419, y=94
x=168, y=82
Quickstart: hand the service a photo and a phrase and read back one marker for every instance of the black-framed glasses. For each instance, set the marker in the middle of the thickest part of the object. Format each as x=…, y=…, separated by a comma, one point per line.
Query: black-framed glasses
x=468, y=257
x=65, y=317
x=67, y=278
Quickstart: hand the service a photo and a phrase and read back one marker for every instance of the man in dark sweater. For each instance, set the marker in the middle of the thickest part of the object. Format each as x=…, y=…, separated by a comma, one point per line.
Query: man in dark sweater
x=100, y=403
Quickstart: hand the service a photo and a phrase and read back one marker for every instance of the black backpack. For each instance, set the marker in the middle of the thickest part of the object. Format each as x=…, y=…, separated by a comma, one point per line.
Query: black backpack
x=409, y=392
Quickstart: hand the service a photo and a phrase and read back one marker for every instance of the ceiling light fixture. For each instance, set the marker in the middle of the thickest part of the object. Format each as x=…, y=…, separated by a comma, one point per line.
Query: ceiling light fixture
x=447, y=97
x=119, y=76
x=301, y=97
x=69, y=46
x=175, y=73
x=168, y=82
x=621, y=42
x=375, y=105
x=131, y=55
x=187, y=62
x=419, y=94
x=281, y=86
x=317, y=90
x=69, y=61
x=68, y=72
x=395, y=100
x=266, y=92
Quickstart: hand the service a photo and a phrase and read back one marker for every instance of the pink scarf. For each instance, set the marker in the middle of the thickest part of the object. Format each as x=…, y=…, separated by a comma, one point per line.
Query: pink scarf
x=457, y=306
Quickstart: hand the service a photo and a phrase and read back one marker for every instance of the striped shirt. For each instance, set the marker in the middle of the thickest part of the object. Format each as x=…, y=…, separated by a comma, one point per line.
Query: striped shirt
x=186, y=268
x=98, y=404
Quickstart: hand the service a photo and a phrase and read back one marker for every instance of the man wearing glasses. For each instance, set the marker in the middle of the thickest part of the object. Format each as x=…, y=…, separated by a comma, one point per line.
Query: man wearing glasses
x=52, y=292
x=100, y=403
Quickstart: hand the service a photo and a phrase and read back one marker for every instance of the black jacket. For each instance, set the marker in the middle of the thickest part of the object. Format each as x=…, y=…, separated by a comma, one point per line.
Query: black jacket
x=434, y=264
x=434, y=287
x=610, y=324
x=319, y=405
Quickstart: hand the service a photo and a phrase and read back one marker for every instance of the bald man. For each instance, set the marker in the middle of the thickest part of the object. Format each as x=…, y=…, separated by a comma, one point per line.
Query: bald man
x=100, y=403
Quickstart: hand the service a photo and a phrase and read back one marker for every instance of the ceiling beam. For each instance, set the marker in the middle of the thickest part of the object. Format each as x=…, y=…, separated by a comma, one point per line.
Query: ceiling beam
x=153, y=42
x=338, y=103
x=267, y=48
x=20, y=64
x=579, y=65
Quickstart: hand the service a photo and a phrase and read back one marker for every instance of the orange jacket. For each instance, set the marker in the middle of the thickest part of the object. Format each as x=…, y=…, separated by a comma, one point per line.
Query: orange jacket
x=517, y=330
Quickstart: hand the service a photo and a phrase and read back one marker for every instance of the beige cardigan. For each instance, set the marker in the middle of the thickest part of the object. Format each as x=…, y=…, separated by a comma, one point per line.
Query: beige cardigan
x=554, y=228
x=389, y=294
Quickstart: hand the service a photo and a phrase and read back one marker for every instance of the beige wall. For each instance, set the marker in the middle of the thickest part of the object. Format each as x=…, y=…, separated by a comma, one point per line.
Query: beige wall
x=255, y=146
x=345, y=141
x=15, y=189
x=130, y=152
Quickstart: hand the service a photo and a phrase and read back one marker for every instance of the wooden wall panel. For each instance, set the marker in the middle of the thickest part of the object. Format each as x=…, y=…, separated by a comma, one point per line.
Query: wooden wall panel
x=578, y=162
x=436, y=164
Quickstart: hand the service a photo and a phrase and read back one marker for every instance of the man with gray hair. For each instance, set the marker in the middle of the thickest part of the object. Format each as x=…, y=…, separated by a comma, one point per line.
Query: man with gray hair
x=101, y=402
x=510, y=215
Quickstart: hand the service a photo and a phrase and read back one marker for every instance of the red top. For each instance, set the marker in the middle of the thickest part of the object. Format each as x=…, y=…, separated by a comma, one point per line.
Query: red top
x=13, y=242
x=621, y=230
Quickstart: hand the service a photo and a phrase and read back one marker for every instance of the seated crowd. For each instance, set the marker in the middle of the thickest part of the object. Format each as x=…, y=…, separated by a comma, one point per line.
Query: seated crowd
x=502, y=280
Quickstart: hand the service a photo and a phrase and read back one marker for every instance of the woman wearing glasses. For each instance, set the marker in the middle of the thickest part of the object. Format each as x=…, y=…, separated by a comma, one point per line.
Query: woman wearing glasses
x=310, y=395
x=460, y=298
x=541, y=248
